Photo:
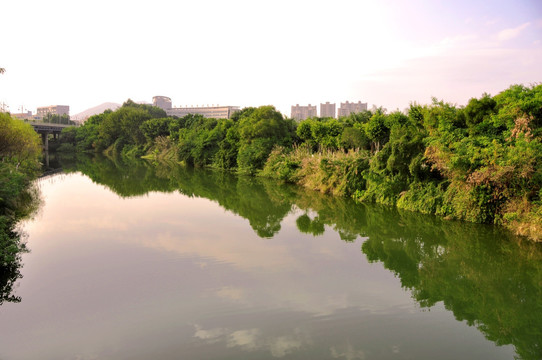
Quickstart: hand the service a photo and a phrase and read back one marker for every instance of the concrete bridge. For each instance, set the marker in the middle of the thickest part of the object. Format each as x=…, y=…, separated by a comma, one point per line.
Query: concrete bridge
x=45, y=129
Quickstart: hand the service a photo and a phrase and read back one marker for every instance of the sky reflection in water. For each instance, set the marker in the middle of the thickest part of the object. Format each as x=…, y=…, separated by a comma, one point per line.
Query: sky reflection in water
x=167, y=275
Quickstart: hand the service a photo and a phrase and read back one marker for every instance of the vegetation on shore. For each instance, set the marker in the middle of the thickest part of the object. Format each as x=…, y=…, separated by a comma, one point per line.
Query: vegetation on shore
x=480, y=163
x=20, y=151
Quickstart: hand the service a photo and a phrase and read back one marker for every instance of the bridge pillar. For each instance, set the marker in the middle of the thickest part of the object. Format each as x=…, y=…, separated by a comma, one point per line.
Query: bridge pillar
x=45, y=139
x=46, y=158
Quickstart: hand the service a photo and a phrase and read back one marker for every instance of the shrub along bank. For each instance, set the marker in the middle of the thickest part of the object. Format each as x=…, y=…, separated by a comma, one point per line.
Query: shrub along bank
x=20, y=150
x=479, y=163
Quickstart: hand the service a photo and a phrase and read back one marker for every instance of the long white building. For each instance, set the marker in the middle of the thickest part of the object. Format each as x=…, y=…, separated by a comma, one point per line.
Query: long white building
x=217, y=112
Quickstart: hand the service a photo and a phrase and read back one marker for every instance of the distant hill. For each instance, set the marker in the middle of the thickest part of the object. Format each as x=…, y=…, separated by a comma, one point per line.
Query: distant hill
x=82, y=116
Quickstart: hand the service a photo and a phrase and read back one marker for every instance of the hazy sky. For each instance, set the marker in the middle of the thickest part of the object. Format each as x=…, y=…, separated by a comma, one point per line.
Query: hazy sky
x=250, y=53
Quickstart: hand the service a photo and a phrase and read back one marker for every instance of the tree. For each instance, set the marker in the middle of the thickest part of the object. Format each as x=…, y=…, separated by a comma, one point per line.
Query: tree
x=354, y=138
x=376, y=130
x=477, y=111
x=154, y=112
x=58, y=119
x=327, y=134
x=19, y=142
x=259, y=130
x=154, y=128
x=304, y=132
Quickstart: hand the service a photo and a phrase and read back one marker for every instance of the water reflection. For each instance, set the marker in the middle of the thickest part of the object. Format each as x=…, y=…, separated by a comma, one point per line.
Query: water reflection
x=11, y=249
x=481, y=274
x=263, y=203
x=12, y=240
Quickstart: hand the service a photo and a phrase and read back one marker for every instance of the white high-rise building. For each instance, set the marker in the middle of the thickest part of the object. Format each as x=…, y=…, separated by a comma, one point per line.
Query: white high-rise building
x=303, y=112
x=327, y=110
x=348, y=108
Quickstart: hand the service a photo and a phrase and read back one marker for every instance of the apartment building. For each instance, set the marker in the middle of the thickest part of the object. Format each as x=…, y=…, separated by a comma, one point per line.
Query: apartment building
x=327, y=110
x=303, y=112
x=348, y=108
x=53, y=109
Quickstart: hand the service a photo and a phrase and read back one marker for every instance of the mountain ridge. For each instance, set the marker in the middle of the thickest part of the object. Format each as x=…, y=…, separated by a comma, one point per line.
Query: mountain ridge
x=98, y=109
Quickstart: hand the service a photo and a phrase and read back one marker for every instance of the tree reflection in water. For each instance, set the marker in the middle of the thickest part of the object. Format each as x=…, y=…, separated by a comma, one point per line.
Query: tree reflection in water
x=12, y=240
x=484, y=275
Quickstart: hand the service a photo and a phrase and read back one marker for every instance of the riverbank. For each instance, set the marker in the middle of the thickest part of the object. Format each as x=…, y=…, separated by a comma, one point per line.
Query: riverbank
x=348, y=174
x=264, y=262
x=480, y=163
x=20, y=151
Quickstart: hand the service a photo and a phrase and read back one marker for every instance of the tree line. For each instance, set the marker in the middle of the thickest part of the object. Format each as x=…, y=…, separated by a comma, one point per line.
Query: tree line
x=58, y=119
x=480, y=162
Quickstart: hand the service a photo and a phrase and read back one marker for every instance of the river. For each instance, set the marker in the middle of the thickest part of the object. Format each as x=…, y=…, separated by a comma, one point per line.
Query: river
x=141, y=261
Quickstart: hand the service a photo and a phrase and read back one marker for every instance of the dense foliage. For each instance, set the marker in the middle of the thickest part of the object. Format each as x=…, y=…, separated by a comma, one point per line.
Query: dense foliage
x=20, y=149
x=243, y=142
x=480, y=163
x=58, y=119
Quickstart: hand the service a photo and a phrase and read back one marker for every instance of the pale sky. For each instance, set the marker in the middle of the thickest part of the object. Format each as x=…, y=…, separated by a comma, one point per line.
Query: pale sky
x=249, y=53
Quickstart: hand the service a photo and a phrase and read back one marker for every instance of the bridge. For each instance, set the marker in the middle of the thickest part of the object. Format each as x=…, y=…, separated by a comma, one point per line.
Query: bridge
x=45, y=129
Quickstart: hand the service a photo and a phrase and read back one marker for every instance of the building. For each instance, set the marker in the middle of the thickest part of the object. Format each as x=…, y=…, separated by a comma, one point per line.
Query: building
x=54, y=110
x=327, y=110
x=163, y=102
x=216, y=112
x=23, y=116
x=303, y=112
x=348, y=108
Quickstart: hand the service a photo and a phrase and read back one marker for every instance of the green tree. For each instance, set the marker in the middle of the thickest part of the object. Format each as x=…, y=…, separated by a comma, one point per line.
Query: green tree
x=377, y=131
x=259, y=130
x=20, y=150
x=153, y=111
x=58, y=119
x=19, y=143
x=327, y=134
x=154, y=128
x=304, y=133
x=479, y=111
x=354, y=138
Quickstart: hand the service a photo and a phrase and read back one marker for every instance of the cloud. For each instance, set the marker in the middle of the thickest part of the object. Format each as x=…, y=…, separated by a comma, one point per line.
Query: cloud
x=347, y=352
x=254, y=339
x=211, y=335
x=246, y=339
x=508, y=34
x=460, y=68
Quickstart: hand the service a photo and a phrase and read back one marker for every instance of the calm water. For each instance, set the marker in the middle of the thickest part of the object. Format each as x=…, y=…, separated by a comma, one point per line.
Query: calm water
x=134, y=261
